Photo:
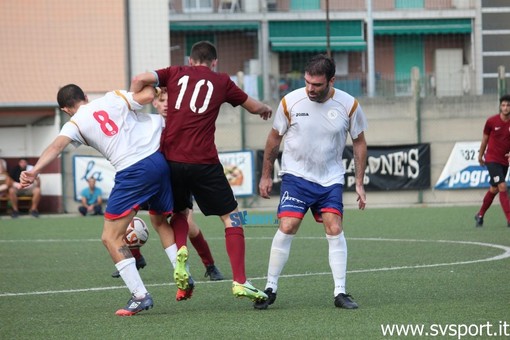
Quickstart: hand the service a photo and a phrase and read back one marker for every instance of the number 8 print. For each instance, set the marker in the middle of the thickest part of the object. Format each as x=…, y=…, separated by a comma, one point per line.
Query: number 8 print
x=107, y=125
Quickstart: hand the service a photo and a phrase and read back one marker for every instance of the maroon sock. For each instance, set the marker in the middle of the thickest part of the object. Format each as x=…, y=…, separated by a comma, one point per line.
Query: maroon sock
x=180, y=226
x=505, y=204
x=234, y=240
x=486, y=203
x=202, y=248
x=135, y=251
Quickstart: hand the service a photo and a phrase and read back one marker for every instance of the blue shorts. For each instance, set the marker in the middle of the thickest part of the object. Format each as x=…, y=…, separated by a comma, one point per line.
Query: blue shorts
x=147, y=181
x=298, y=194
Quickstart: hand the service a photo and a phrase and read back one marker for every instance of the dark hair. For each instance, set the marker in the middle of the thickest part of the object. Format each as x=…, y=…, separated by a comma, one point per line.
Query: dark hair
x=70, y=95
x=321, y=65
x=203, y=52
x=504, y=98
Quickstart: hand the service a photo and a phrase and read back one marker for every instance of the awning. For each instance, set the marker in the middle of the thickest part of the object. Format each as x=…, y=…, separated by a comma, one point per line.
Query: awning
x=432, y=26
x=311, y=36
x=213, y=26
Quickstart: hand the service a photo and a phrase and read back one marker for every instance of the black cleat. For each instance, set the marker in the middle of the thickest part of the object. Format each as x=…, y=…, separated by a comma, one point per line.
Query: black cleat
x=140, y=263
x=214, y=273
x=345, y=301
x=271, y=297
x=479, y=220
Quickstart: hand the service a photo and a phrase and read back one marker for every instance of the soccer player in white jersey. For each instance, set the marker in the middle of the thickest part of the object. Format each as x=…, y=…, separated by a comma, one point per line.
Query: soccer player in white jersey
x=130, y=141
x=315, y=121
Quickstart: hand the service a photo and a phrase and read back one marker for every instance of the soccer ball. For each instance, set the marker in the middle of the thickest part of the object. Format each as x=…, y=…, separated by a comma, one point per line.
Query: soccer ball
x=137, y=233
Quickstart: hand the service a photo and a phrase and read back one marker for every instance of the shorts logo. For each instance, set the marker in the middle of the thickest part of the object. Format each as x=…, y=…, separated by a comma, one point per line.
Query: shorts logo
x=332, y=114
x=286, y=197
x=302, y=114
x=496, y=179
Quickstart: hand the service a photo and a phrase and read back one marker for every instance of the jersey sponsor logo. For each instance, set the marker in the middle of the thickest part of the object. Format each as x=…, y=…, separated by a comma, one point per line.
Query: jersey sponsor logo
x=302, y=114
x=497, y=128
x=332, y=114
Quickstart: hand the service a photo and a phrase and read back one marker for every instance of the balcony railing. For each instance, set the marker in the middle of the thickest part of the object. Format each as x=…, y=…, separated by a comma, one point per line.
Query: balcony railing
x=262, y=6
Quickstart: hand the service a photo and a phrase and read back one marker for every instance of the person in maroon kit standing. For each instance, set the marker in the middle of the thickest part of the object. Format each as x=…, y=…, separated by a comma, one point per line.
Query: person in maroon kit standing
x=494, y=154
x=195, y=94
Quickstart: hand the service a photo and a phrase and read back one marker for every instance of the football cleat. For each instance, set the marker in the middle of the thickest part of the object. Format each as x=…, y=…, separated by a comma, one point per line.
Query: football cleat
x=247, y=290
x=136, y=305
x=271, y=297
x=181, y=275
x=187, y=293
x=479, y=220
x=345, y=301
x=140, y=263
x=214, y=273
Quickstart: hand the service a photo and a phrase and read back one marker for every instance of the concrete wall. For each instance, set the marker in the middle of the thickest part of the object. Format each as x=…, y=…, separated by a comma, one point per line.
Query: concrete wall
x=391, y=121
x=444, y=121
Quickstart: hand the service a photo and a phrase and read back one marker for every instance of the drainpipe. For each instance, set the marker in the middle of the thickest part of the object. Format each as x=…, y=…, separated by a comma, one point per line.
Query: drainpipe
x=416, y=87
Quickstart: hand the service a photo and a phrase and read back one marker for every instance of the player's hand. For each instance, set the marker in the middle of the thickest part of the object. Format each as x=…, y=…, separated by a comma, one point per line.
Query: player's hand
x=481, y=160
x=362, y=197
x=265, y=187
x=267, y=113
x=27, y=178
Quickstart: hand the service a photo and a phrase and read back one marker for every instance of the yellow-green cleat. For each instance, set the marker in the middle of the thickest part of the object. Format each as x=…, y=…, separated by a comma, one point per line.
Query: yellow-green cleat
x=247, y=290
x=181, y=275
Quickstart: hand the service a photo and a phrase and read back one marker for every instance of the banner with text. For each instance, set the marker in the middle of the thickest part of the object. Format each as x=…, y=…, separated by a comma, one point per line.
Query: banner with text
x=98, y=167
x=394, y=167
x=462, y=170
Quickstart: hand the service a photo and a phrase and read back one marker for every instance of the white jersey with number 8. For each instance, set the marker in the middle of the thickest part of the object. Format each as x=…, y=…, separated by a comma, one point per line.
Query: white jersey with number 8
x=110, y=125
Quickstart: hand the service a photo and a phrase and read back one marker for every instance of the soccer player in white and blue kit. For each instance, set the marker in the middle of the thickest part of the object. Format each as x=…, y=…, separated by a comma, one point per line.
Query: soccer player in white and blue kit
x=130, y=140
x=315, y=121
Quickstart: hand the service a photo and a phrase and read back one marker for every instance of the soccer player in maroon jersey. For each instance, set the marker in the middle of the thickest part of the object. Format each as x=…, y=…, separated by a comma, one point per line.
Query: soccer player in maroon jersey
x=196, y=237
x=494, y=154
x=195, y=94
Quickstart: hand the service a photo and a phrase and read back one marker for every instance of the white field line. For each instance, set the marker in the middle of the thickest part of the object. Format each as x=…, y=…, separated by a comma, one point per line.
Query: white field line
x=504, y=255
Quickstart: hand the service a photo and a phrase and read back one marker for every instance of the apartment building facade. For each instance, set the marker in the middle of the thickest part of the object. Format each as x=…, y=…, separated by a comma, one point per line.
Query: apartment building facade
x=457, y=45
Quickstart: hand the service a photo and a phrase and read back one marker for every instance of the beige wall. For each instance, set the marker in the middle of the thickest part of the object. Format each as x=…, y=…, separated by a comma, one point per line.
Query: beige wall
x=62, y=35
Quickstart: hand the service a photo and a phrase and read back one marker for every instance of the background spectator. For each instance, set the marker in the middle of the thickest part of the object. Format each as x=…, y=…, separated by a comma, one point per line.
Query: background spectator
x=5, y=179
x=15, y=190
x=91, y=199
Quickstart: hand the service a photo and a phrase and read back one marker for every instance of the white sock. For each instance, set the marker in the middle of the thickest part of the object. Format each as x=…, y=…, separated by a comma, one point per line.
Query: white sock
x=171, y=252
x=338, y=261
x=129, y=273
x=280, y=250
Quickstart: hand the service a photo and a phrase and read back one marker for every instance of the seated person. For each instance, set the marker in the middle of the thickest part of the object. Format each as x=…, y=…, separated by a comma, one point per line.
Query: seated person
x=5, y=179
x=15, y=189
x=91, y=199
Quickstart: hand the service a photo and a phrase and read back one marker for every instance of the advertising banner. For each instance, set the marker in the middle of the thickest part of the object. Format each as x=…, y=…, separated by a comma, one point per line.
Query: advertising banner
x=397, y=167
x=462, y=170
x=98, y=167
x=238, y=167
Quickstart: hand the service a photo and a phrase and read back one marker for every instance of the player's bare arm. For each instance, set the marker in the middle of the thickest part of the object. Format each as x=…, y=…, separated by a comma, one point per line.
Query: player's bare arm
x=258, y=108
x=146, y=95
x=48, y=155
x=359, y=146
x=141, y=80
x=483, y=146
x=270, y=155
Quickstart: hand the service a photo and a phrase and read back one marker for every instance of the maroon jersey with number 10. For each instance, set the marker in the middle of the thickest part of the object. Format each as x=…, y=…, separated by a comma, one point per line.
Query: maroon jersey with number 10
x=499, y=140
x=195, y=94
